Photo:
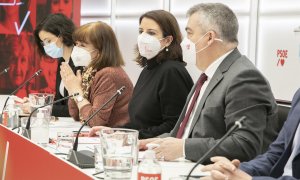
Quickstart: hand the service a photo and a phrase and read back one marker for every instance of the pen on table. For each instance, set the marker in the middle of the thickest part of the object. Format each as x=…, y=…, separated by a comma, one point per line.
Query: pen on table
x=193, y=176
x=98, y=173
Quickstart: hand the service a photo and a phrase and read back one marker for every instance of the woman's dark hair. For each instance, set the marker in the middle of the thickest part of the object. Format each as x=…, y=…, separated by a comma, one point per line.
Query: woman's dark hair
x=169, y=26
x=104, y=40
x=57, y=24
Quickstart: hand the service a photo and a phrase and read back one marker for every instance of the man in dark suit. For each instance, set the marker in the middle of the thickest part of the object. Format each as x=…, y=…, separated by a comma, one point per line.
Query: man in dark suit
x=282, y=160
x=229, y=88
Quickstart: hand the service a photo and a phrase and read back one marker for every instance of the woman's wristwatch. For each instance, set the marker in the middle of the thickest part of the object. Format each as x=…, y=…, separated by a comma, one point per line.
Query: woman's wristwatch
x=79, y=98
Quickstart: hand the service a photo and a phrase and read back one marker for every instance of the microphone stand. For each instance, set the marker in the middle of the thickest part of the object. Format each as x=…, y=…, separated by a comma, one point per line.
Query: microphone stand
x=4, y=71
x=237, y=125
x=22, y=85
x=85, y=158
x=27, y=132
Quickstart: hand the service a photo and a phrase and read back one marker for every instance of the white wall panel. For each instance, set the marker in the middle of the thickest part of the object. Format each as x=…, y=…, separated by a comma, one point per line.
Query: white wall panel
x=277, y=33
x=279, y=7
x=277, y=22
x=127, y=32
x=243, y=35
x=95, y=8
x=180, y=7
x=94, y=19
x=136, y=7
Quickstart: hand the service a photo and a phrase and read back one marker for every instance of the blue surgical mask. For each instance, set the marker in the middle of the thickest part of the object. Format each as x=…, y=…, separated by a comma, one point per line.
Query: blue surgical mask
x=53, y=51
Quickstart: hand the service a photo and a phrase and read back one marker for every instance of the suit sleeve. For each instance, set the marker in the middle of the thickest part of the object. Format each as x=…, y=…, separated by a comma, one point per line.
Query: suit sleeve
x=262, y=164
x=247, y=94
x=173, y=89
x=271, y=178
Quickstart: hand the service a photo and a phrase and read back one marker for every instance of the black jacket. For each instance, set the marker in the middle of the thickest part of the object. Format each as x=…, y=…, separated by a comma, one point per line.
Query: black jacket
x=158, y=97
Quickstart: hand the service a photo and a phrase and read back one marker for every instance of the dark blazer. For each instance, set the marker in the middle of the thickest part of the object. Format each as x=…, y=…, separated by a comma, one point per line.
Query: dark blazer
x=61, y=109
x=236, y=89
x=271, y=164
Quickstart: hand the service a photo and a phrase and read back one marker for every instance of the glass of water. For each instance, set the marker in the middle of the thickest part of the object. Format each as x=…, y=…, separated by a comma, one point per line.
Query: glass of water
x=118, y=152
x=98, y=158
x=39, y=129
x=39, y=99
x=64, y=141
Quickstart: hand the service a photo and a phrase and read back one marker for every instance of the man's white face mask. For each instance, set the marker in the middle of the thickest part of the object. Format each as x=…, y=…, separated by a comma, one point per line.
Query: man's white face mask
x=189, y=48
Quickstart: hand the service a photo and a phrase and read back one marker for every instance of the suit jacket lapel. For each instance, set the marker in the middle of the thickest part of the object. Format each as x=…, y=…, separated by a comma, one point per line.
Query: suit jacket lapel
x=217, y=77
x=181, y=117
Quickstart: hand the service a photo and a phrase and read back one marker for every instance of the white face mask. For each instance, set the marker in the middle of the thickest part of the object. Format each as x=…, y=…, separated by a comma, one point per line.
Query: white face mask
x=189, y=48
x=149, y=46
x=81, y=57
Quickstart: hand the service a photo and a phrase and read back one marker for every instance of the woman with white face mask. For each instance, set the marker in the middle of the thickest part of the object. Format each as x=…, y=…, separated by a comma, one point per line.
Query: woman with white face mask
x=163, y=85
x=53, y=37
x=97, y=46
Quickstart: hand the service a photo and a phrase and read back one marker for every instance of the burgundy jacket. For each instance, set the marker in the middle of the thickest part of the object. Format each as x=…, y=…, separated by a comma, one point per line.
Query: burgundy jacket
x=105, y=84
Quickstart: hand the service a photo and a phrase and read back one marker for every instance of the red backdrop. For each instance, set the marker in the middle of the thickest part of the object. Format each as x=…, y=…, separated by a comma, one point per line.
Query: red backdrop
x=18, y=19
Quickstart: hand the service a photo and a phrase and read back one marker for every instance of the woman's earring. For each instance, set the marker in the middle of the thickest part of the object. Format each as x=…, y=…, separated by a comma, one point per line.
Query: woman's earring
x=167, y=49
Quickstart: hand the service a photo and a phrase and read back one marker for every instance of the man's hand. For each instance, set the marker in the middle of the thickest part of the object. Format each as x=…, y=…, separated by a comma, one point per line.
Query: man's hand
x=144, y=142
x=221, y=163
x=170, y=148
x=223, y=168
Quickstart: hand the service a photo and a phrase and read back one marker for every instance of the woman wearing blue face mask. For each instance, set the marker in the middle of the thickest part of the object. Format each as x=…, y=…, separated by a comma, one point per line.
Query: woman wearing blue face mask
x=53, y=37
x=163, y=85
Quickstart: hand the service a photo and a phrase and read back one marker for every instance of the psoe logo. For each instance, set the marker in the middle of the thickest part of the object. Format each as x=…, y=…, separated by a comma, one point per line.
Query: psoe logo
x=282, y=55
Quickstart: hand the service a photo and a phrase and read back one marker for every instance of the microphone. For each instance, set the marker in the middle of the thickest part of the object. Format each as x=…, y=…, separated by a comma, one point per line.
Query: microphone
x=237, y=125
x=22, y=85
x=27, y=81
x=4, y=71
x=27, y=132
x=85, y=159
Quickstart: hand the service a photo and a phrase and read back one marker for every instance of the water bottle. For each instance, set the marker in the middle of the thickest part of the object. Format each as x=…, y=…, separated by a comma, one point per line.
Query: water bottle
x=40, y=128
x=10, y=115
x=149, y=168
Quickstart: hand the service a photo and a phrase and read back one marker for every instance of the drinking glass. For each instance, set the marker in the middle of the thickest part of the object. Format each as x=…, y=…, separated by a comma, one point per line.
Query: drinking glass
x=98, y=158
x=118, y=152
x=39, y=99
x=64, y=141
